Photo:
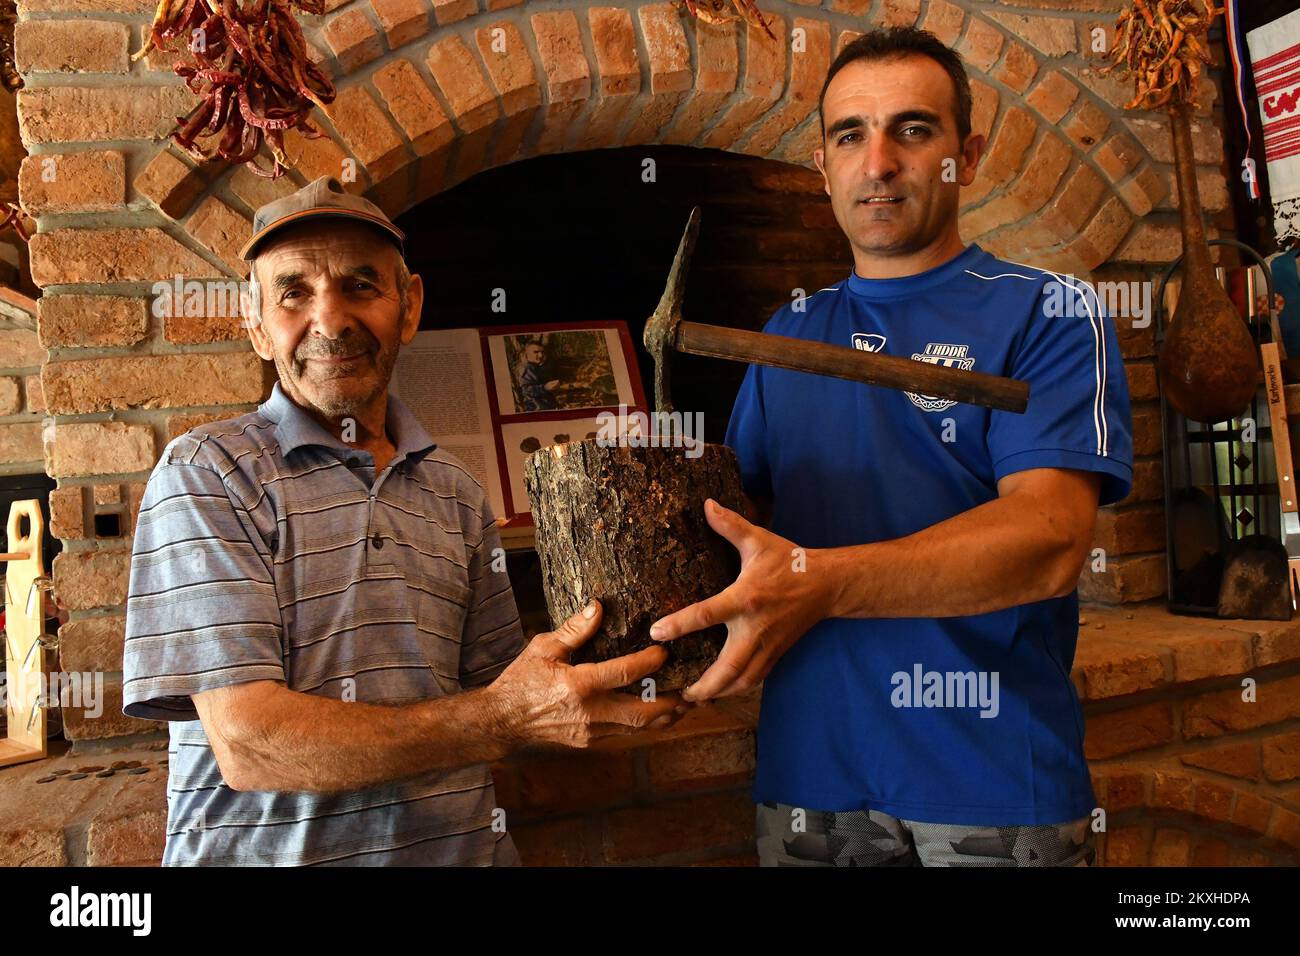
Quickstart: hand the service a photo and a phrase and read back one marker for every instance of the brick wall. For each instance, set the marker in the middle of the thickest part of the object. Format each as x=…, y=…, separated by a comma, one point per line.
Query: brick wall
x=429, y=95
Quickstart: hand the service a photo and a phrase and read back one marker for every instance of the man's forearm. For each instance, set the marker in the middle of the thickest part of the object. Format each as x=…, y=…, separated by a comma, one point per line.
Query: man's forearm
x=991, y=557
x=285, y=740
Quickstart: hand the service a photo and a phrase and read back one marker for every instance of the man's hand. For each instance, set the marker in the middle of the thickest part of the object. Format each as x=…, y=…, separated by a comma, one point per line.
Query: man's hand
x=773, y=603
x=542, y=699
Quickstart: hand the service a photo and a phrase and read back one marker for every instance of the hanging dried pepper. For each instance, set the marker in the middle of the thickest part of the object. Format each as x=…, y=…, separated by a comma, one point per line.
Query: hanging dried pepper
x=726, y=11
x=252, y=71
x=12, y=215
x=1156, y=42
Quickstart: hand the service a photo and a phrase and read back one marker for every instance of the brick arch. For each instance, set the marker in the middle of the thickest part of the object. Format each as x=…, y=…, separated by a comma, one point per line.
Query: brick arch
x=1168, y=816
x=425, y=101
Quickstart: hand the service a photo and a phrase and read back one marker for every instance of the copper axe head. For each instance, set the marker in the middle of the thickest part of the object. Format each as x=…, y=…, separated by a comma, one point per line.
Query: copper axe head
x=660, y=336
x=666, y=331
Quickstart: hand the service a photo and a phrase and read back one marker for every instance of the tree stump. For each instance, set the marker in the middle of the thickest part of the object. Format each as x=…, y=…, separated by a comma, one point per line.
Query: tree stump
x=626, y=525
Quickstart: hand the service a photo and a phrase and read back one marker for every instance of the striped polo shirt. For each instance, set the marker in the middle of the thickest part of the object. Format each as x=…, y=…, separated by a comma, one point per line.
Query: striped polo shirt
x=267, y=549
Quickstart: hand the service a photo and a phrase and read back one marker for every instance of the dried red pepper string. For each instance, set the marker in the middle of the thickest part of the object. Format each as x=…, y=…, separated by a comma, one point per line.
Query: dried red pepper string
x=13, y=216
x=252, y=70
x=1156, y=43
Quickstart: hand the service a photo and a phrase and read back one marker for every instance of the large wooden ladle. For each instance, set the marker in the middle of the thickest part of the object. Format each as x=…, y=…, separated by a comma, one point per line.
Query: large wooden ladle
x=1209, y=365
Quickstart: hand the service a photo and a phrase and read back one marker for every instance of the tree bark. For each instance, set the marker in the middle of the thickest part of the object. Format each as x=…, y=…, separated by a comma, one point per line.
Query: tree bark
x=626, y=525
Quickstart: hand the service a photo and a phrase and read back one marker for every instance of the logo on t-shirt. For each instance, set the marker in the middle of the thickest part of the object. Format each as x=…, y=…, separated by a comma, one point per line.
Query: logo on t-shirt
x=940, y=353
x=868, y=341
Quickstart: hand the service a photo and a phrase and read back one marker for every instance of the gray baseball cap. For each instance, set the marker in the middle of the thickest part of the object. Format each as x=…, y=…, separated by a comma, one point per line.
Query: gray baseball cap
x=320, y=198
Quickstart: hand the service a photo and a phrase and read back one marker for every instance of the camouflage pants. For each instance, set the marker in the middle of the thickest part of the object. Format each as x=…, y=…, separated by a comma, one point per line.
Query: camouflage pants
x=791, y=836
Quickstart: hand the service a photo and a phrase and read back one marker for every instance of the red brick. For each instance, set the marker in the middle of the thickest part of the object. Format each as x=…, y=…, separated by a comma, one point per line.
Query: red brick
x=899, y=13
x=763, y=84
x=1125, y=790
x=93, y=181
x=1281, y=755
x=11, y=396
x=84, y=321
x=112, y=255
x=677, y=826
x=403, y=21
x=449, y=11
x=1010, y=145
x=353, y=39
x=1220, y=712
x=99, y=448
x=153, y=381
x=1143, y=190
x=1127, y=846
x=89, y=579
x=130, y=830
x=1118, y=156
x=20, y=348
x=71, y=46
x=222, y=230
x=1207, y=851
x=69, y=114
x=1235, y=760
x=321, y=156
x=559, y=47
x=1125, y=579
x=553, y=843
x=618, y=72
x=414, y=106
x=21, y=443
x=1252, y=813
x=1213, y=801
x=256, y=191
x=1053, y=96
x=367, y=132
x=981, y=44
x=1028, y=193
x=171, y=183
x=1053, y=36
x=1125, y=731
x=807, y=73
x=668, y=68
x=717, y=69
x=91, y=644
x=35, y=398
x=462, y=83
x=1087, y=126
x=591, y=778
x=1285, y=828
x=1018, y=67
x=707, y=761
x=511, y=69
x=1114, y=668
x=944, y=20
x=1170, y=847
x=984, y=106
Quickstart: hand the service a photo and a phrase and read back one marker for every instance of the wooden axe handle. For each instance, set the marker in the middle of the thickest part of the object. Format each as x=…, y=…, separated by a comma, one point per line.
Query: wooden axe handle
x=840, y=361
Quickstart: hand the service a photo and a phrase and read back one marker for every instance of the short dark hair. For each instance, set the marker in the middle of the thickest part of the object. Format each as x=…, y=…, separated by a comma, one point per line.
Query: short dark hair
x=892, y=42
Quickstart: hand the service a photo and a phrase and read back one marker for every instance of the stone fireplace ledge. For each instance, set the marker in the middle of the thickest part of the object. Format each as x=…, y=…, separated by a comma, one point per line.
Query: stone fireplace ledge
x=1129, y=649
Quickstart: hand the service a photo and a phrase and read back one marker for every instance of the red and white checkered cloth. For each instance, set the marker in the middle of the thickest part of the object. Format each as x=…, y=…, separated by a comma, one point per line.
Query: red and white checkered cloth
x=1275, y=61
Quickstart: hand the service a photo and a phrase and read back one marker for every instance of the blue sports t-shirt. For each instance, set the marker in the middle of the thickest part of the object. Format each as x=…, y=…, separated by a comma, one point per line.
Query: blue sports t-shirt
x=850, y=715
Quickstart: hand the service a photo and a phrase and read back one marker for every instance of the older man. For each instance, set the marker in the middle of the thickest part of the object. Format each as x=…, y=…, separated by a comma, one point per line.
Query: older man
x=917, y=707
x=321, y=588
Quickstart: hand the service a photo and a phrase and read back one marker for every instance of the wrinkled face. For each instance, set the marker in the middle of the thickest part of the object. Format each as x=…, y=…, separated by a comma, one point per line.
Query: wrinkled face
x=535, y=354
x=331, y=319
x=890, y=126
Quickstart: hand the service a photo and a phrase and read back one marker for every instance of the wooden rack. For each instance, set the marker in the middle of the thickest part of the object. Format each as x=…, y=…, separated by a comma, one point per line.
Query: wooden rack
x=24, y=664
